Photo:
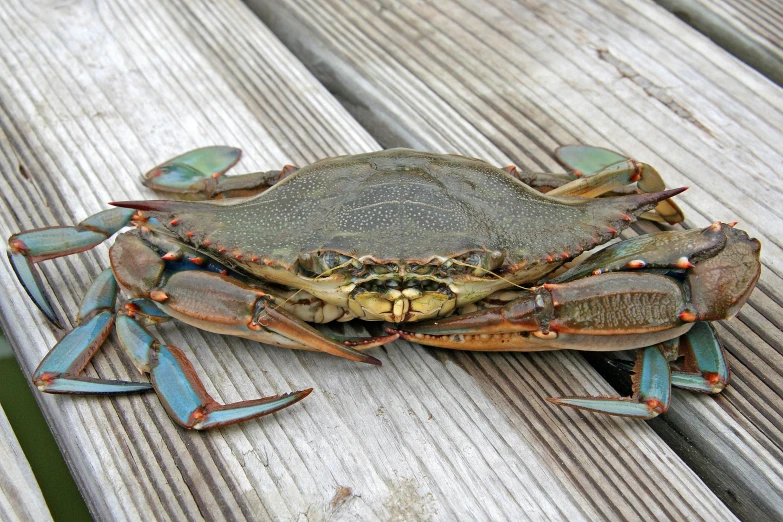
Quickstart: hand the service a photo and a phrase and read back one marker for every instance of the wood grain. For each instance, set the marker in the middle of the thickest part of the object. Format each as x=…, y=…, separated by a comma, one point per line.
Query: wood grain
x=511, y=81
x=751, y=31
x=20, y=496
x=94, y=94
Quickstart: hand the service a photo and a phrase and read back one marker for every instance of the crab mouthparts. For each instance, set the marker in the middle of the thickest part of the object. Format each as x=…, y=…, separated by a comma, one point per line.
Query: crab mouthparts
x=392, y=301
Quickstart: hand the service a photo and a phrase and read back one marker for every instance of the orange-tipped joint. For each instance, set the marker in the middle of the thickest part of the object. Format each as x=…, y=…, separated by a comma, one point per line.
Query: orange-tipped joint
x=655, y=406
x=684, y=262
x=687, y=316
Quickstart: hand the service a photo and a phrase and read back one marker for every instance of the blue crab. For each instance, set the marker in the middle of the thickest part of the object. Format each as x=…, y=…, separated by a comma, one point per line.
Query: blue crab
x=449, y=251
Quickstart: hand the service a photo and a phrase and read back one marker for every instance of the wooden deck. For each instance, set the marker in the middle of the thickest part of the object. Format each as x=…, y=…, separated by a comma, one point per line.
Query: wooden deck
x=92, y=95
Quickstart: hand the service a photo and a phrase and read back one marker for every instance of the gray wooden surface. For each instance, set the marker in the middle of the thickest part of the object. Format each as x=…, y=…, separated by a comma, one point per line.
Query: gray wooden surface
x=748, y=29
x=92, y=95
x=512, y=81
x=20, y=496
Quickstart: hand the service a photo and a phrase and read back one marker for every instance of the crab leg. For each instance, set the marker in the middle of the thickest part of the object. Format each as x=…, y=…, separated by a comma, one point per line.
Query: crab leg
x=58, y=372
x=173, y=377
x=614, y=311
x=624, y=309
x=619, y=175
x=705, y=368
x=200, y=174
x=179, y=387
x=27, y=248
x=234, y=308
x=596, y=171
x=619, y=298
x=651, y=390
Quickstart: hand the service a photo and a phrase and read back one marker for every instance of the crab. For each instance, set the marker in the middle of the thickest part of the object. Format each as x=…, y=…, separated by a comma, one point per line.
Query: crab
x=448, y=251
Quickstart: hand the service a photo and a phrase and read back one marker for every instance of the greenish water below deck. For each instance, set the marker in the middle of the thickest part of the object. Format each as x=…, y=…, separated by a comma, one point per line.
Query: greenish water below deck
x=59, y=490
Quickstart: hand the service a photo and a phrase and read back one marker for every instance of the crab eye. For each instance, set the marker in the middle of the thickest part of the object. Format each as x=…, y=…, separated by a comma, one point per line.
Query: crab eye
x=330, y=259
x=474, y=260
x=496, y=259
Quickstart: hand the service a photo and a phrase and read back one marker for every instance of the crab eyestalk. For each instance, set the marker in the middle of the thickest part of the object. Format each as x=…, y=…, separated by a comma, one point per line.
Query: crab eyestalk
x=480, y=263
x=326, y=264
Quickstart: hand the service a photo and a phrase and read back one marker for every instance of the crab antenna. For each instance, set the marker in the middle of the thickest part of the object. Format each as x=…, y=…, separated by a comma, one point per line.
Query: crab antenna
x=491, y=272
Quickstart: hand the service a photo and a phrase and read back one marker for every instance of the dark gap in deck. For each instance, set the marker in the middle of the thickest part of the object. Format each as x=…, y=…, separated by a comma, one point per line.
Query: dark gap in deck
x=717, y=28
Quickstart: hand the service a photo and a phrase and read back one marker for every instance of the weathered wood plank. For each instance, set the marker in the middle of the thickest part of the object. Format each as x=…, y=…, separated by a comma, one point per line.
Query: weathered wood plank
x=511, y=81
x=94, y=94
x=20, y=496
x=751, y=31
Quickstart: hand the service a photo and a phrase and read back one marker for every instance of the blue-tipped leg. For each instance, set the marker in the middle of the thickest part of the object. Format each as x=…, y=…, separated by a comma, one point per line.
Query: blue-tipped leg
x=136, y=341
x=71, y=354
x=31, y=281
x=180, y=173
x=587, y=159
x=59, y=370
x=30, y=247
x=100, y=296
x=173, y=376
x=705, y=368
x=180, y=389
x=610, y=170
x=652, y=389
x=48, y=243
x=184, y=397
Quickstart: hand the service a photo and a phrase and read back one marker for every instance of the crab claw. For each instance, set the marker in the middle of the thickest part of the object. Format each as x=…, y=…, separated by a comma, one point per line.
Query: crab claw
x=281, y=322
x=236, y=309
x=365, y=343
x=520, y=315
x=185, y=173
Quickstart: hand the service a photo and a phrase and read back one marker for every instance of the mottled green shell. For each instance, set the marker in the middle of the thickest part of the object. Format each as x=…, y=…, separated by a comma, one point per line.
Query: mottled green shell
x=402, y=205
